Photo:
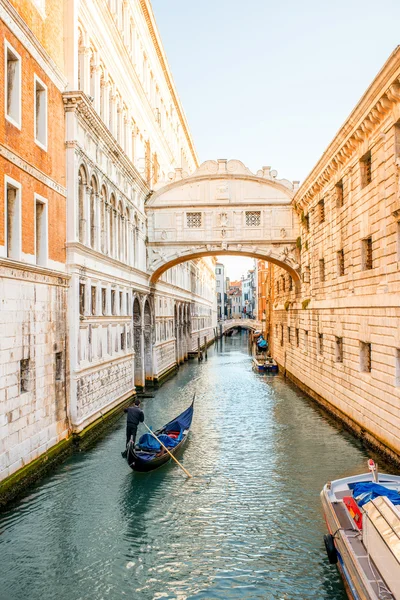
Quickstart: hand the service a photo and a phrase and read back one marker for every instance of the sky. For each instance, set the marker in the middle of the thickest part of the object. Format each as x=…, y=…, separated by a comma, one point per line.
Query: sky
x=268, y=82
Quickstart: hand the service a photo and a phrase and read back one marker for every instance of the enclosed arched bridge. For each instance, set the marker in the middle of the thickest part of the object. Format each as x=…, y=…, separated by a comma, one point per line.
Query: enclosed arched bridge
x=222, y=208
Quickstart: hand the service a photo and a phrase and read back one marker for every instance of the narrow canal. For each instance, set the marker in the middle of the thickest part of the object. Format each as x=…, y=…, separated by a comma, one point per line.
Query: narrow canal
x=248, y=525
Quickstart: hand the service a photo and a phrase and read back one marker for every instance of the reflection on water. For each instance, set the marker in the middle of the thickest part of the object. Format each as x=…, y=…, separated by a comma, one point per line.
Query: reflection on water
x=248, y=525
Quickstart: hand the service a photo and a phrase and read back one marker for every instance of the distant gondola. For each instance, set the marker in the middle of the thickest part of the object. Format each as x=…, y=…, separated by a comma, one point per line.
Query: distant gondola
x=148, y=455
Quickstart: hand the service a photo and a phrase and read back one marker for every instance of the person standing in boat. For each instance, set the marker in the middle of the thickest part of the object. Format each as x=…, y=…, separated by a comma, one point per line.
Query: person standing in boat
x=135, y=416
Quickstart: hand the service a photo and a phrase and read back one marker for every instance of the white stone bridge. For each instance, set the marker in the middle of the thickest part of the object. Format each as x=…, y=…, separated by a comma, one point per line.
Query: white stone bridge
x=250, y=324
x=222, y=208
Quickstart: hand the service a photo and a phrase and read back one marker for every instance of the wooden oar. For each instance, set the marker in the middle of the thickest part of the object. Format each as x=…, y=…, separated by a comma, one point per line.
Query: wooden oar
x=165, y=448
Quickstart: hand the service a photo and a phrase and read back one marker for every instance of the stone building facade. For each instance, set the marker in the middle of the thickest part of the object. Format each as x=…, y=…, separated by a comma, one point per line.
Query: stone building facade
x=33, y=278
x=125, y=133
x=337, y=335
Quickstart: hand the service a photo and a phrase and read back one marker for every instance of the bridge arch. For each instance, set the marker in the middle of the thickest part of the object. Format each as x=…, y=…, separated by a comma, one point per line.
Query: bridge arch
x=223, y=208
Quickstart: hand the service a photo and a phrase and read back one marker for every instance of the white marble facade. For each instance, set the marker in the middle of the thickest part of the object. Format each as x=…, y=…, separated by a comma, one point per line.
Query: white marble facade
x=125, y=133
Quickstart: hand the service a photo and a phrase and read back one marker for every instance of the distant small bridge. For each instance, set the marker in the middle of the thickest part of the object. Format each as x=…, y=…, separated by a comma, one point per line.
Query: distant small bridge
x=250, y=324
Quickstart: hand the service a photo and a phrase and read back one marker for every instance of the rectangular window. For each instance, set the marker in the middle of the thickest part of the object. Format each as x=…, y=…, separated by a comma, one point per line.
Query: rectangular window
x=123, y=340
x=127, y=307
x=193, y=219
x=340, y=263
x=41, y=231
x=24, y=375
x=288, y=335
x=93, y=299
x=277, y=288
x=398, y=240
x=366, y=254
x=339, y=349
x=281, y=335
x=253, y=218
x=103, y=301
x=320, y=343
x=305, y=341
x=297, y=337
x=322, y=270
x=321, y=211
x=365, y=168
x=40, y=113
x=365, y=357
x=12, y=81
x=120, y=303
x=283, y=284
x=339, y=194
x=13, y=219
x=59, y=366
x=397, y=380
x=290, y=283
x=306, y=274
x=82, y=298
x=113, y=306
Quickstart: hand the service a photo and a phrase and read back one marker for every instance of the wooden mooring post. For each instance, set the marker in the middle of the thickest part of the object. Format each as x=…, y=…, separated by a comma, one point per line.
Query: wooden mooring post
x=205, y=347
x=198, y=349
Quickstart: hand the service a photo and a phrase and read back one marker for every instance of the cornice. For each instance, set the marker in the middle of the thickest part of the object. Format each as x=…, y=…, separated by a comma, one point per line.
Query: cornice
x=78, y=102
x=10, y=16
x=8, y=265
x=27, y=167
x=151, y=24
x=369, y=114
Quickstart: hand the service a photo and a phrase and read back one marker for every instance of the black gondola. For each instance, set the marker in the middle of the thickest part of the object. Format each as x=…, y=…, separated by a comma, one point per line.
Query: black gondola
x=140, y=459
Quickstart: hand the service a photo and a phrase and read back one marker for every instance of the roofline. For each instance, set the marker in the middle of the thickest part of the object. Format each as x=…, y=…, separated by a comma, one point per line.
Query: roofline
x=372, y=94
x=156, y=38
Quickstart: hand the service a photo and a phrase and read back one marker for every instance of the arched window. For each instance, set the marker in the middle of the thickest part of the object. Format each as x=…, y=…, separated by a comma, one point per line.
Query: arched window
x=103, y=201
x=82, y=183
x=93, y=199
x=112, y=227
x=121, y=235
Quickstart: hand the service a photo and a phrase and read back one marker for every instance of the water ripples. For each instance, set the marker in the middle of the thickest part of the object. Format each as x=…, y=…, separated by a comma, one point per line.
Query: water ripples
x=248, y=525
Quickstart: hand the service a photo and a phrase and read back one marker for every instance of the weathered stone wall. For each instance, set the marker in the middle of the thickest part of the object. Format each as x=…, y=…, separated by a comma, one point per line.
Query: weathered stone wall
x=339, y=335
x=33, y=383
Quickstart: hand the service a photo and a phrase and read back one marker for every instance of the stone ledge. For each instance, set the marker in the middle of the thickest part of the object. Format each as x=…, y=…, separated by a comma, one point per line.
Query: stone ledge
x=367, y=438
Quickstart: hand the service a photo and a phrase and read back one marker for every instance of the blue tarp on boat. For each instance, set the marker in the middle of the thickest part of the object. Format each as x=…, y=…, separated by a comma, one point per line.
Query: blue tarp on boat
x=148, y=443
x=364, y=492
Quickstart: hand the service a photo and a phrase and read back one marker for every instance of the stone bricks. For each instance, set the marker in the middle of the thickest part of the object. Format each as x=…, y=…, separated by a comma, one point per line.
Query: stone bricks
x=360, y=305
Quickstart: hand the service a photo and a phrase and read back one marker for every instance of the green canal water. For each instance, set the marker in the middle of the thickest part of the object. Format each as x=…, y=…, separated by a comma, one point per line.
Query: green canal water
x=248, y=525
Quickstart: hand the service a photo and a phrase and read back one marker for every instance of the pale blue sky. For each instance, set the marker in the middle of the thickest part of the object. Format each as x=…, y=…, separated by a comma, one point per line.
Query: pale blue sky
x=270, y=83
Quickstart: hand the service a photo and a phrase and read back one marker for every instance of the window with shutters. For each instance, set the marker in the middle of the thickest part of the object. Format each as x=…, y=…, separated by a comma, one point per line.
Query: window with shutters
x=253, y=218
x=366, y=254
x=82, y=298
x=93, y=299
x=365, y=357
x=297, y=337
x=193, y=219
x=366, y=169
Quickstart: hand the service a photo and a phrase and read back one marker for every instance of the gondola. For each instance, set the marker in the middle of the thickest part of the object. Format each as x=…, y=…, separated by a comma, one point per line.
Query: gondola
x=148, y=455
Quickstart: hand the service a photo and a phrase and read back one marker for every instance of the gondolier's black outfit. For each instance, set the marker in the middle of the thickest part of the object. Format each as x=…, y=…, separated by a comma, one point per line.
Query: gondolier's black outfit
x=134, y=417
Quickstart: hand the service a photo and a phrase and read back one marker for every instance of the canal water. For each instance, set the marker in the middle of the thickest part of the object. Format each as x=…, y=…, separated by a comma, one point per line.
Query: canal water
x=248, y=525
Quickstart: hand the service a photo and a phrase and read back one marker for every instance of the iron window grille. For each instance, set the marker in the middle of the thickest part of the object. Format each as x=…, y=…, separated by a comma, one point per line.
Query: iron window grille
x=367, y=253
x=193, y=220
x=253, y=218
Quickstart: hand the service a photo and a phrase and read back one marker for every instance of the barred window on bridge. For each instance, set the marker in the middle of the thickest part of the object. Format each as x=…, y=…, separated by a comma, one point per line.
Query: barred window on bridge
x=193, y=219
x=253, y=218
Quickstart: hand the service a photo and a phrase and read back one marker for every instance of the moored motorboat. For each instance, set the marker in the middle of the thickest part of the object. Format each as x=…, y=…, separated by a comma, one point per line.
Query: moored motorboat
x=264, y=364
x=149, y=454
x=363, y=518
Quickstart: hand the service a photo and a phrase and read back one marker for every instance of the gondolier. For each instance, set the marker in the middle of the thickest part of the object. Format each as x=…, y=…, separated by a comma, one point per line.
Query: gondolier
x=135, y=416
